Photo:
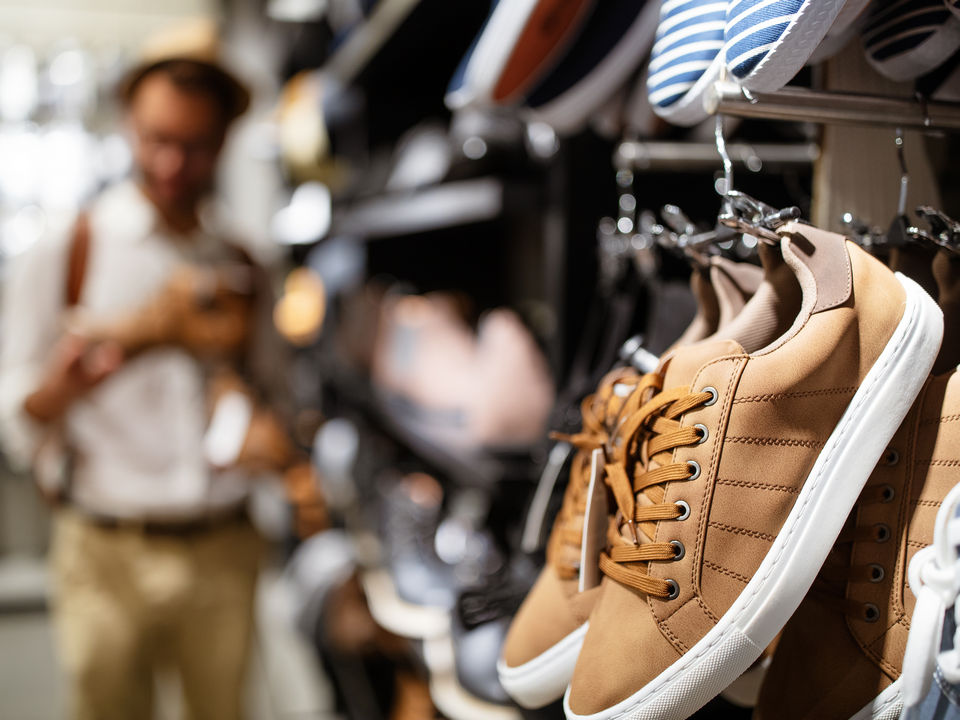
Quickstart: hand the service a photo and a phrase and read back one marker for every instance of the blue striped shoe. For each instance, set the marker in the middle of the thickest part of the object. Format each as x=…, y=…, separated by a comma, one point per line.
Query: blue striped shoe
x=905, y=39
x=766, y=42
x=686, y=58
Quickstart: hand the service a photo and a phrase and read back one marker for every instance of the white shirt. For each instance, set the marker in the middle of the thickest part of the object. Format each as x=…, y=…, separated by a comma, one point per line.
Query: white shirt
x=138, y=436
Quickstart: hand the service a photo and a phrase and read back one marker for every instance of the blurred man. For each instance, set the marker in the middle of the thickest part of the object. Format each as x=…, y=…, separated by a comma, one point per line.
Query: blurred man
x=154, y=560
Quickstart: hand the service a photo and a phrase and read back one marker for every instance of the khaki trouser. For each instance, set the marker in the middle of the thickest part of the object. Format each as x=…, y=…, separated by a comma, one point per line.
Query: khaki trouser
x=128, y=603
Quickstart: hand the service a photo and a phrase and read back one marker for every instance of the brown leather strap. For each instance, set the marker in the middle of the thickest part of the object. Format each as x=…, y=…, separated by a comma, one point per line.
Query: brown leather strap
x=77, y=259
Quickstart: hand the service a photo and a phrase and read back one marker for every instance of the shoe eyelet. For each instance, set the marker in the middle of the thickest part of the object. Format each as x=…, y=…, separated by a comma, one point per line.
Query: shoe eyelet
x=876, y=573
x=871, y=613
x=694, y=468
x=678, y=550
x=684, y=507
x=890, y=457
x=674, y=590
x=881, y=532
x=887, y=493
x=713, y=395
x=704, y=433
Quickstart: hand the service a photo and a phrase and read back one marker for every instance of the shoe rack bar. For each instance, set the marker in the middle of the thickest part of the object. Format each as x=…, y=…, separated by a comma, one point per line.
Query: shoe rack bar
x=802, y=105
x=700, y=156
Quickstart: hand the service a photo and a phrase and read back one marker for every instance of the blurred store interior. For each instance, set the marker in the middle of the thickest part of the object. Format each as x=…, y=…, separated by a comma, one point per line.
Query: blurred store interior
x=448, y=274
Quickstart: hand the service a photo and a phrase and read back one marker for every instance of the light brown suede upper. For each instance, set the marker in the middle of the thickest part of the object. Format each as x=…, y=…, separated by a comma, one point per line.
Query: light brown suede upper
x=775, y=409
x=831, y=663
x=554, y=607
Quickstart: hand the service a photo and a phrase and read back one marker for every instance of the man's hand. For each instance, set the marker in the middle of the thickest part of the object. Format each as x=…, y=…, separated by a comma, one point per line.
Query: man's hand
x=78, y=365
x=205, y=310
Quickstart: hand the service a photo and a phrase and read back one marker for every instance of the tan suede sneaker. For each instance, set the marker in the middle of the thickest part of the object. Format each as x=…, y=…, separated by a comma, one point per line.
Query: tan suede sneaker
x=721, y=288
x=734, y=481
x=544, y=638
x=861, y=603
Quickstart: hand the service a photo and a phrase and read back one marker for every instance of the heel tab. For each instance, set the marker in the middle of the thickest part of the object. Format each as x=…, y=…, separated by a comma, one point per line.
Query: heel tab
x=821, y=262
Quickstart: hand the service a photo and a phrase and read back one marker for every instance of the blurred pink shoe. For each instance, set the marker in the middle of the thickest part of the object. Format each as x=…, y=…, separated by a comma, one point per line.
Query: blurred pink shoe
x=442, y=381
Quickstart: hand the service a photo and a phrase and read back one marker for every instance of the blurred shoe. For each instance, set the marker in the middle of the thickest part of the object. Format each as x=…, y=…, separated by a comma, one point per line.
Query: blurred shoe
x=787, y=417
x=931, y=675
x=423, y=156
x=686, y=58
x=479, y=628
x=721, y=289
x=491, y=389
x=522, y=40
x=766, y=43
x=317, y=566
x=849, y=23
x=413, y=594
x=550, y=29
x=545, y=636
x=861, y=603
x=953, y=6
x=477, y=73
x=613, y=42
x=452, y=699
x=905, y=39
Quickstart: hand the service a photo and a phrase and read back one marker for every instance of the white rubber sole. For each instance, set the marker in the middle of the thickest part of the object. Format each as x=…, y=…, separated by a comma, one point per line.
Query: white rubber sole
x=495, y=46
x=543, y=680
x=395, y=614
x=791, y=52
x=691, y=109
x=793, y=561
x=847, y=24
x=885, y=706
x=569, y=112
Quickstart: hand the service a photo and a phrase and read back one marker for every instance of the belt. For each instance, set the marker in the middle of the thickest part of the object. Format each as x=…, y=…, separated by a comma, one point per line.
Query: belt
x=193, y=526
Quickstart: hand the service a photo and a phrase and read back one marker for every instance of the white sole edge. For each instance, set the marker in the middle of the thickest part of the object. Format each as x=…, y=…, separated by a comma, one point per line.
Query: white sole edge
x=496, y=44
x=794, y=48
x=541, y=681
x=793, y=561
x=885, y=706
x=690, y=109
x=570, y=111
x=395, y=614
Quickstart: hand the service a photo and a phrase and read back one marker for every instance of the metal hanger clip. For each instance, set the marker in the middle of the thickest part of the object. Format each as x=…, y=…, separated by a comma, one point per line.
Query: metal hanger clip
x=748, y=215
x=944, y=231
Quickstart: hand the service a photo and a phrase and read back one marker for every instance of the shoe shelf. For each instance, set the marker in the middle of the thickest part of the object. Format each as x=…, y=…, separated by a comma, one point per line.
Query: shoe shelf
x=667, y=156
x=466, y=468
x=441, y=206
x=349, y=60
x=802, y=105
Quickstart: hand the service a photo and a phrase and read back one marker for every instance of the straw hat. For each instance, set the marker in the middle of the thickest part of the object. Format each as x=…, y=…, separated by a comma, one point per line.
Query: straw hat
x=196, y=41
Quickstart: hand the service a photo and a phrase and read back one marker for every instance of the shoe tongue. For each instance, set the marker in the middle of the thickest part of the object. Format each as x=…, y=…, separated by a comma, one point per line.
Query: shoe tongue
x=682, y=365
x=680, y=368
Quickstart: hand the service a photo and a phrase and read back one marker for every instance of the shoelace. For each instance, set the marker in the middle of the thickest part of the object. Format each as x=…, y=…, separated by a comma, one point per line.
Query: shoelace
x=598, y=411
x=651, y=428
x=934, y=576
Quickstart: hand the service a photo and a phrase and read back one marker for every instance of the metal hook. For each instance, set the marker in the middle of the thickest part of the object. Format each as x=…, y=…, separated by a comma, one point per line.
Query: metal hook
x=904, y=175
x=724, y=156
x=924, y=110
x=944, y=231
